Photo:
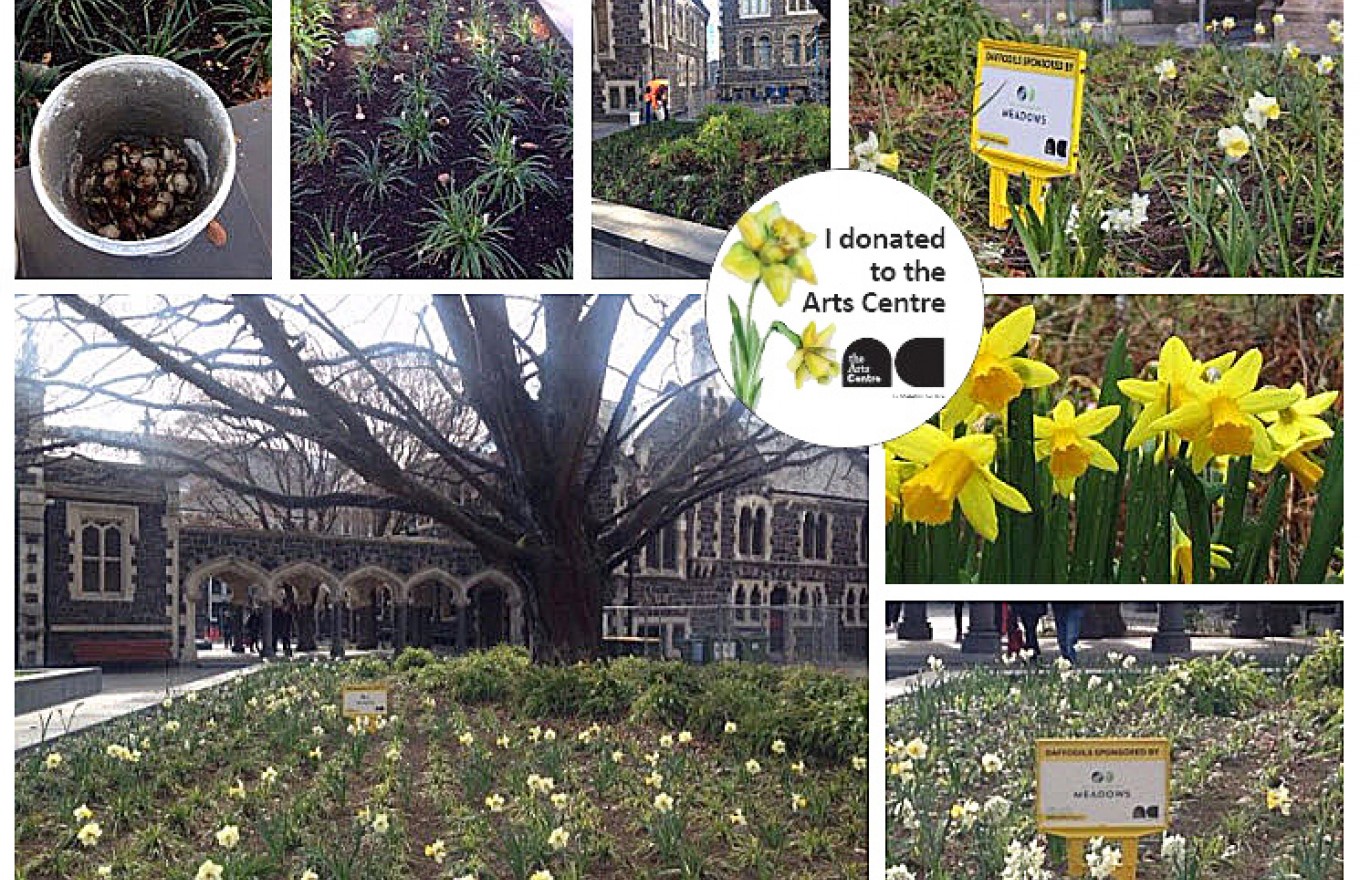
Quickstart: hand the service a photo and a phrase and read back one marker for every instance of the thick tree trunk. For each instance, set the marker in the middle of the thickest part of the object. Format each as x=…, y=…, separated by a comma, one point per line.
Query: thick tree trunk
x=564, y=605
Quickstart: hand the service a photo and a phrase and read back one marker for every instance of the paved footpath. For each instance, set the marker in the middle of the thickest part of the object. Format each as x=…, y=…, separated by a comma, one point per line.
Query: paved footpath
x=124, y=693
x=906, y=661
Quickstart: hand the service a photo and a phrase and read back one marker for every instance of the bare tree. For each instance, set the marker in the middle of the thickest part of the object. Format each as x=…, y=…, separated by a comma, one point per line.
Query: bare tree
x=545, y=449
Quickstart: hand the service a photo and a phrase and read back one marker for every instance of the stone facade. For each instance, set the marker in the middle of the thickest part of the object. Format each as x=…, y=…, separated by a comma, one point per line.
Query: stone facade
x=105, y=553
x=772, y=51
x=636, y=40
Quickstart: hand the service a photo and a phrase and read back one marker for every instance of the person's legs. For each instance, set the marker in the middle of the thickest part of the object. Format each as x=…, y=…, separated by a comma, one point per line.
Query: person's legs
x=958, y=622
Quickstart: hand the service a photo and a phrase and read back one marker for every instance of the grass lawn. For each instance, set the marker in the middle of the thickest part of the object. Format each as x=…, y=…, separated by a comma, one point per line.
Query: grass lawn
x=489, y=767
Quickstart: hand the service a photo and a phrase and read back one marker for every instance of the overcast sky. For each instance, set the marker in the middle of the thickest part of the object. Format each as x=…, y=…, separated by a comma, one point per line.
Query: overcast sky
x=367, y=319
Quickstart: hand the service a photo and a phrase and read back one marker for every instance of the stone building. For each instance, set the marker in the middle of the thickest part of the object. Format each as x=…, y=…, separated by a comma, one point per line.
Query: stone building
x=773, y=51
x=111, y=567
x=636, y=40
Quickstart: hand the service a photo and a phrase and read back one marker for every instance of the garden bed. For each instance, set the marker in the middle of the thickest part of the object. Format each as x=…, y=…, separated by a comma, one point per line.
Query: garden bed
x=1237, y=732
x=1148, y=129
x=712, y=170
x=460, y=768
x=227, y=44
x=441, y=150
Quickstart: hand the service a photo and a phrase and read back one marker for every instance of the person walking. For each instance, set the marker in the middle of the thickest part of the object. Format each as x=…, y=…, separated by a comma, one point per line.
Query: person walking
x=1068, y=617
x=1029, y=614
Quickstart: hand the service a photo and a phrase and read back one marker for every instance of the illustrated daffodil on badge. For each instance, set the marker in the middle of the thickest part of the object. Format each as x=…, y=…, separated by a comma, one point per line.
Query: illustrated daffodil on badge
x=772, y=252
x=813, y=356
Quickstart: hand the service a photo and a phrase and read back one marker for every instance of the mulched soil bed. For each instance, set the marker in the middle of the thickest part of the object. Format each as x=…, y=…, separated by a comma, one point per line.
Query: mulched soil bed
x=323, y=199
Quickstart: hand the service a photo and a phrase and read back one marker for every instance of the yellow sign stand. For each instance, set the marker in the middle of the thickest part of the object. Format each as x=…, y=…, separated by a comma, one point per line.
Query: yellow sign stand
x=368, y=700
x=1026, y=118
x=1115, y=789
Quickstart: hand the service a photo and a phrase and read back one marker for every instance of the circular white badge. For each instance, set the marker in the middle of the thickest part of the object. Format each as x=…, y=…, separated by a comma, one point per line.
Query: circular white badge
x=845, y=308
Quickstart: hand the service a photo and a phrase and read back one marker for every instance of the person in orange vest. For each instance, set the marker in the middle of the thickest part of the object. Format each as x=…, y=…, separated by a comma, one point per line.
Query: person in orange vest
x=648, y=105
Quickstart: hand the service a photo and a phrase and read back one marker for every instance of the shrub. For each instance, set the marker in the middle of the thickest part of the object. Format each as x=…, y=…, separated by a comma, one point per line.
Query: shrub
x=414, y=658
x=585, y=690
x=1210, y=686
x=942, y=47
x=478, y=677
x=1321, y=670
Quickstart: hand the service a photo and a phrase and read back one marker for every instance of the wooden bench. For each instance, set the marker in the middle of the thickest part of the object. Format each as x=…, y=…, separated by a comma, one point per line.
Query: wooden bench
x=97, y=651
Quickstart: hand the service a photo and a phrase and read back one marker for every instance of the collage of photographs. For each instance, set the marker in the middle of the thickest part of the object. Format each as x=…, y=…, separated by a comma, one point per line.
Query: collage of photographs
x=696, y=439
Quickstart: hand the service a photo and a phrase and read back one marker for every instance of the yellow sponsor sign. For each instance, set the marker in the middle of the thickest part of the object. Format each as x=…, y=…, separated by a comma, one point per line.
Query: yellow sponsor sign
x=1102, y=787
x=364, y=700
x=1027, y=102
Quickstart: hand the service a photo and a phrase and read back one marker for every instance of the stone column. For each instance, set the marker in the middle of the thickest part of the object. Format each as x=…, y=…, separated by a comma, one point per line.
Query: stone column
x=1251, y=620
x=304, y=626
x=462, y=628
x=1171, y=637
x=337, y=628
x=367, y=636
x=913, y=624
x=266, y=630
x=401, y=614
x=982, y=637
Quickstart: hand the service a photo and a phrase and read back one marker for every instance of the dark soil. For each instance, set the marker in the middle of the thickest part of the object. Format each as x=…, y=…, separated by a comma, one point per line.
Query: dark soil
x=204, y=50
x=389, y=227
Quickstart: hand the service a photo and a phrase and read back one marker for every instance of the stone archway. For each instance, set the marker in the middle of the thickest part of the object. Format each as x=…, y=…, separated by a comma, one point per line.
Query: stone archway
x=365, y=591
x=436, y=612
x=495, y=610
x=245, y=582
x=302, y=584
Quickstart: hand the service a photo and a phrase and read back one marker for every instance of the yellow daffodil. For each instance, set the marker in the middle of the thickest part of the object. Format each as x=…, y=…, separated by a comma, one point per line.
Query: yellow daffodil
x=617, y=756
x=998, y=374
x=83, y=813
x=53, y=760
x=104, y=871
x=752, y=766
x=558, y=800
x=868, y=157
x=663, y=803
x=466, y=739
x=653, y=780
x=1176, y=367
x=858, y=763
x=89, y=834
x=737, y=818
x=1087, y=25
x=559, y=838
x=772, y=250
x=1183, y=555
x=1299, y=420
x=991, y=763
x=237, y=791
x=916, y=749
x=209, y=870
x=1228, y=23
x=954, y=470
x=799, y=802
x=666, y=741
x=1261, y=110
x=1065, y=440
x=228, y=836
x=1277, y=19
x=541, y=874
x=730, y=727
x=381, y=823
x=1325, y=65
x=1221, y=417
x=1166, y=70
x=778, y=747
x=495, y=803
x=684, y=737
x=268, y=776
x=1295, y=459
x=1291, y=51
x=1336, y=31
x=1278, y=798
x=1234, y=142
x=814, y=357
x=437, y=851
